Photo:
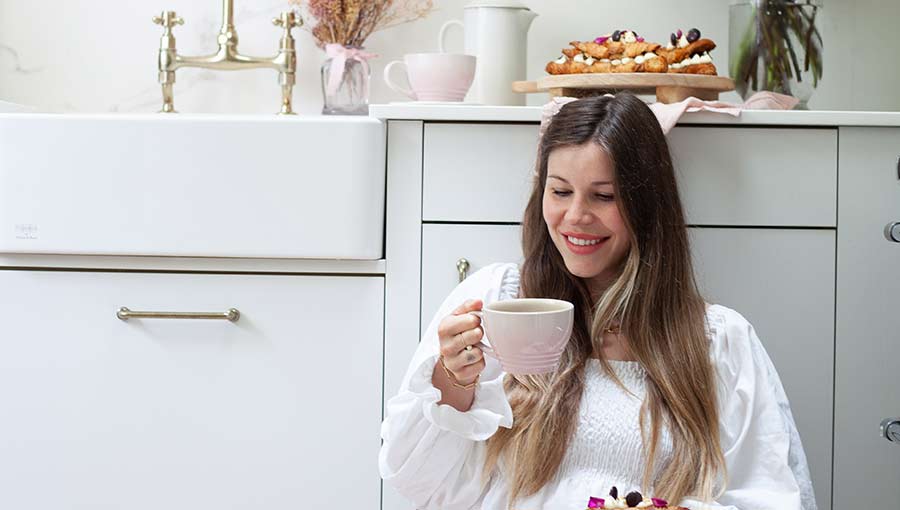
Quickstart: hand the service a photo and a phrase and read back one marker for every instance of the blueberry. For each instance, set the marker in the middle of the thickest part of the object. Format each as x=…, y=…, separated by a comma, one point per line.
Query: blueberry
x=617, y=35
x=692, y=35
x=673, y=39
x=633, y=498
x=614, y=492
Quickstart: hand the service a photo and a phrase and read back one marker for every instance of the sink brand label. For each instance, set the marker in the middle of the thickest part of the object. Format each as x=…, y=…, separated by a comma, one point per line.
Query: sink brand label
x=26, y=231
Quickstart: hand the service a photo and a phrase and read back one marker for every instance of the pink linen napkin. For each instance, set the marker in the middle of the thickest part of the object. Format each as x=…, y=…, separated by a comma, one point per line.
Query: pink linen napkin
x=668, y=114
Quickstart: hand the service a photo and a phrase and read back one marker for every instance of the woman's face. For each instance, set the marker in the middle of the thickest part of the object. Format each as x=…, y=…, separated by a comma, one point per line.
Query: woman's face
x=581, y=213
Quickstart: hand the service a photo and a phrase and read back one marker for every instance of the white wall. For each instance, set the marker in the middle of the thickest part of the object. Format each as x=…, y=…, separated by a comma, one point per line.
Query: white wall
x=100, y=55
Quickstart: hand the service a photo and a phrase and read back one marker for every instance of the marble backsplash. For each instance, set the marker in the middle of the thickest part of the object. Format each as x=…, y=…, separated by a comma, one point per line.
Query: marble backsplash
x=100, y=55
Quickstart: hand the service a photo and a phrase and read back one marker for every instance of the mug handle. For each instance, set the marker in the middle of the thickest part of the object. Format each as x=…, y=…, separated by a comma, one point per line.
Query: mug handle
x=394, y=86
x=443, y=32
x=484, y=347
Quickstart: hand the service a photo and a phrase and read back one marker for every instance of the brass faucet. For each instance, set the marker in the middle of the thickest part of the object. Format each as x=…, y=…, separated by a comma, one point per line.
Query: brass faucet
x=227, y=57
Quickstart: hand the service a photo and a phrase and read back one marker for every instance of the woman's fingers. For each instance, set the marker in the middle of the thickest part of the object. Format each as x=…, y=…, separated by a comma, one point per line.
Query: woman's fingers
x=458, y=335
x=463, y=359
x=461, y=320
x=467, y=306
x=469, y=336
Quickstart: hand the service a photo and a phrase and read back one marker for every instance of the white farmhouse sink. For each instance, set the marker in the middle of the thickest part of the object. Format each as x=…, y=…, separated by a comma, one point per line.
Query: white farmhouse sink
x=192, y=185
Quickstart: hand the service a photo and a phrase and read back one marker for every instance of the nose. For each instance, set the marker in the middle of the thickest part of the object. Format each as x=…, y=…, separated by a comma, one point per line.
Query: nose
x=579, y=212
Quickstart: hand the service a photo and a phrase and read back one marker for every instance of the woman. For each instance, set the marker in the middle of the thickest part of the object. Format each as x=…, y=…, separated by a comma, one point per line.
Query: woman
x=656, y=392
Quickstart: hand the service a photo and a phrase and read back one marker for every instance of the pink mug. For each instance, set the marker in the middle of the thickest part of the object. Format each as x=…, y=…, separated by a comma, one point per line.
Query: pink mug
x=526, y=335
x=434, y=76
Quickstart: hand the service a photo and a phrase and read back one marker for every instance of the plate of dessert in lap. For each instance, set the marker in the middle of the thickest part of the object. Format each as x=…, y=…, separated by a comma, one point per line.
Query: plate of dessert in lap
x=623, y=60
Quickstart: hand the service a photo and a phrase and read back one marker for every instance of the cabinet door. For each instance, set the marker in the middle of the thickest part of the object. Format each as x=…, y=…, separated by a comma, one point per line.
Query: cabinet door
x=477, y=172
x=782, y=281
x=444, y=246
x=867, y=389
x=278, y=410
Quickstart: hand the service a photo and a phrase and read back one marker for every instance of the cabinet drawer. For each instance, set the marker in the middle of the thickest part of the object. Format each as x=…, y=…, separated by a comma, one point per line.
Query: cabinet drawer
x=279, y=410
x=727, y=175
x=444, y=245
x=756, y=176
x=477, y=172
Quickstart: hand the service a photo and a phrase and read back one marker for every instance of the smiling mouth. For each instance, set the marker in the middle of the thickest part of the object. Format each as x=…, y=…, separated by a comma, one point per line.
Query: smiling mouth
x=585, y=249
x=584, y=242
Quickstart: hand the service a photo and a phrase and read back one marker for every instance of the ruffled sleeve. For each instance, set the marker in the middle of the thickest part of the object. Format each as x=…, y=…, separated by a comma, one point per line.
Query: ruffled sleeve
x=434, y=454
x=755, y=432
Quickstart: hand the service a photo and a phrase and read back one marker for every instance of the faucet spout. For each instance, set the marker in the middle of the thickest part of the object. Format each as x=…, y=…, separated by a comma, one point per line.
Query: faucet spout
x=227, y=15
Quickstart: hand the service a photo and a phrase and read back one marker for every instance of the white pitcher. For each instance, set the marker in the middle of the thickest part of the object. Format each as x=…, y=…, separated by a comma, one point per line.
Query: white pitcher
x=496, y=32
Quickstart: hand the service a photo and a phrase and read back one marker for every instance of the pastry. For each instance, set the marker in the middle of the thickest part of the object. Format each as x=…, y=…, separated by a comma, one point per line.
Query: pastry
x=688, y=53
x=623, y=51
x=591, y=49
x=632, y=500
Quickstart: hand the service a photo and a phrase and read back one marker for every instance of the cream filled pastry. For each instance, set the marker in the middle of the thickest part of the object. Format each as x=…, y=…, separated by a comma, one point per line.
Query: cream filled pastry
x=633, y=499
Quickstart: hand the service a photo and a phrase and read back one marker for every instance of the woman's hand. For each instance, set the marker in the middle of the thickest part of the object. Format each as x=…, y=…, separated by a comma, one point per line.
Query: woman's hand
x=458, y=336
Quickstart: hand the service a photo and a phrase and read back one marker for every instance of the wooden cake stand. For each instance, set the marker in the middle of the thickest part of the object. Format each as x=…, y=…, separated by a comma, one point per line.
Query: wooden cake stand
x=668, y=87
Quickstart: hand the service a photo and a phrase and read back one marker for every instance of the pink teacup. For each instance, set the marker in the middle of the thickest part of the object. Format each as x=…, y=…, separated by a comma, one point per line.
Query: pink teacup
x=434, y=76
x=527, y=335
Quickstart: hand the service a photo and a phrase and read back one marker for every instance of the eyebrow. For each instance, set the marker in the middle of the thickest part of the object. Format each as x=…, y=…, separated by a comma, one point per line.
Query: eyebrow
x=567, y=182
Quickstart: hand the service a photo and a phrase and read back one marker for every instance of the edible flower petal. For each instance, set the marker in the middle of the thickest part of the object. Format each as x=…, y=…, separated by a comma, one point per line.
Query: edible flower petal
x=596, y=502
x=659, y=503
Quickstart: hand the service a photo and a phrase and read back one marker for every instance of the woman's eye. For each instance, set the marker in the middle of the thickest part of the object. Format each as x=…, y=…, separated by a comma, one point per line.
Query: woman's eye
x=601, y=196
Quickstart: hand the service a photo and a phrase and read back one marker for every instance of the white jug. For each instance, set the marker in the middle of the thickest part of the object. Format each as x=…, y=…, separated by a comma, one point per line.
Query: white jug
x=496, y=32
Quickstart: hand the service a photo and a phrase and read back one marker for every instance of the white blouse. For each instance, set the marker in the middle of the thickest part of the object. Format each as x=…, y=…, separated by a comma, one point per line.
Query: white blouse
x=434, y=454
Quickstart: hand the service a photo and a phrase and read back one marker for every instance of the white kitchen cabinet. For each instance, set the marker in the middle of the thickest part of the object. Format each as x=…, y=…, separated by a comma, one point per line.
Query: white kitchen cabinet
x=867, y=385
x=278, y=410
x=782, y=281
x=762, y=204
x=785, y=290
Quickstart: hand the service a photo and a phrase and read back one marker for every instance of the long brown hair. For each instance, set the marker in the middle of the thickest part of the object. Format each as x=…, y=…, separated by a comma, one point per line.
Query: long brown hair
x=655, y=299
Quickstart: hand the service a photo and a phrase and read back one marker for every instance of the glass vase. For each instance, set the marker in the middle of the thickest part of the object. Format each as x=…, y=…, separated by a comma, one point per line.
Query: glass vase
x=351, y=96
x=776, y=45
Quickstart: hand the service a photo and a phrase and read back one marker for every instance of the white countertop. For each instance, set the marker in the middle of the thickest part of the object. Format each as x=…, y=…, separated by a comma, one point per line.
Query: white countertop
x=474, y=113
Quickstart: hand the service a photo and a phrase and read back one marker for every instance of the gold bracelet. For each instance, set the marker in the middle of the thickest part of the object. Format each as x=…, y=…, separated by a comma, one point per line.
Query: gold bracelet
x=453, y=380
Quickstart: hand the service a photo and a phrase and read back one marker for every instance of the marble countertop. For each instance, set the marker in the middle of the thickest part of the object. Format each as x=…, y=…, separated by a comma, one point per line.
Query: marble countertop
x=477, y=113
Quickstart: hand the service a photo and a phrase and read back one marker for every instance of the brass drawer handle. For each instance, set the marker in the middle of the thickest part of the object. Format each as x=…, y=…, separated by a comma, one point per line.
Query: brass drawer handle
x=231, y=315
x=462, y=265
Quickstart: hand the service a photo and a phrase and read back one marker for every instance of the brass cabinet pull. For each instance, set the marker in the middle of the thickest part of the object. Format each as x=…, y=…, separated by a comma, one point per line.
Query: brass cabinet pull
x=232, y=314
x=462, y=265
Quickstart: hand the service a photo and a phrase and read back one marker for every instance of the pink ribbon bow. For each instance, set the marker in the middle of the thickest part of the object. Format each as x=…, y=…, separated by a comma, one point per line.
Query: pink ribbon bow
x=339, y=55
